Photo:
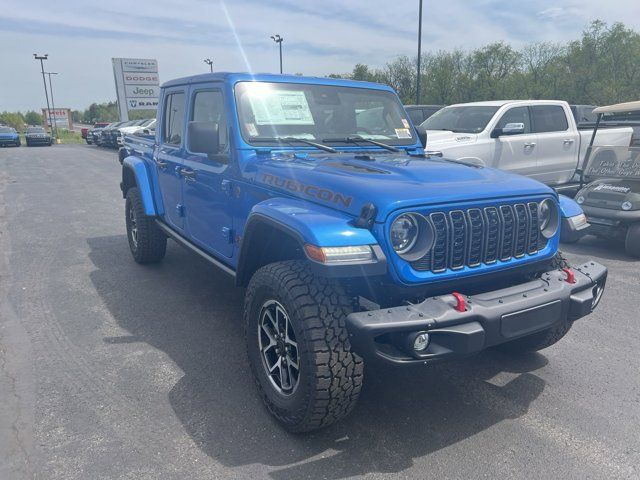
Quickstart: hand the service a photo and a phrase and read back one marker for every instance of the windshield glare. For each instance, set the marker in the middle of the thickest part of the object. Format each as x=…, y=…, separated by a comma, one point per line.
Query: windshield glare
x=321, y=113
x=462, y=119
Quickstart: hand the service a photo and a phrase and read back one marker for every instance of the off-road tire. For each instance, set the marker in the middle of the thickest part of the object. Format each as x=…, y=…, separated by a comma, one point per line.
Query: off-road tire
x=151, y=244
x=545, y=338
x=331, y=374
x=632, y=240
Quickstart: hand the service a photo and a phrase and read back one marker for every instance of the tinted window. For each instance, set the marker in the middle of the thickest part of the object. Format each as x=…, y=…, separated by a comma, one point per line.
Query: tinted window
x=416, y=116
x=516, y=115
x=462, y=119
x=173, y=118
x=208, y=106
x=549, y=118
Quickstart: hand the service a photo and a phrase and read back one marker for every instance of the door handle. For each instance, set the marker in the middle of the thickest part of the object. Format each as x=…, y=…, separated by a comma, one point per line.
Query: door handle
x=568, y=140
x=160, y=163
x=188, y=174
x=529, y=145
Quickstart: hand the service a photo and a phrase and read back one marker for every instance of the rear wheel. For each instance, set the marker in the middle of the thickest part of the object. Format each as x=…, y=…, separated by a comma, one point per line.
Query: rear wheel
x=147, y=242
x=632, y=240
x=298, y=346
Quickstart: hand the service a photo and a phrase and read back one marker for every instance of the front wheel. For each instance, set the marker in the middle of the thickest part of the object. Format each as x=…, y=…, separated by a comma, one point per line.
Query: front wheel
x=147, y=242
x=632, y=240
x=298, y=346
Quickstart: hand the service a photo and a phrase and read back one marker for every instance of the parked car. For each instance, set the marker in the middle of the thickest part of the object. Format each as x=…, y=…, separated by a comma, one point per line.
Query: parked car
x=611, y=201
x=134, y=127
x=9, y=136
x=108, y=134
x=536, y=138
x=37, y=136
x=352, y=246
x=419, y=113
x=137, y=142
x=93, y=133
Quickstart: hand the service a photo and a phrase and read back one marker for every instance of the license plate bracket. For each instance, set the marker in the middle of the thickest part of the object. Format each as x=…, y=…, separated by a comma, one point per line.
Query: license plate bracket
x=530, y=320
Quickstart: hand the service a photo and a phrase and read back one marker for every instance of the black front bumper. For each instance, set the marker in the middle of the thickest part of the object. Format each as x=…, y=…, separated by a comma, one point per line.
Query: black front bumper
x=489, y=318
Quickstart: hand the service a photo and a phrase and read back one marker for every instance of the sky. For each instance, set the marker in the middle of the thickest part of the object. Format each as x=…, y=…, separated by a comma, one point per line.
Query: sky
x=320, y=37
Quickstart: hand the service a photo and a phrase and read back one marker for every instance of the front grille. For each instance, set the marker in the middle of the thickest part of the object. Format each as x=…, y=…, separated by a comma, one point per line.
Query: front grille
x=477, y=236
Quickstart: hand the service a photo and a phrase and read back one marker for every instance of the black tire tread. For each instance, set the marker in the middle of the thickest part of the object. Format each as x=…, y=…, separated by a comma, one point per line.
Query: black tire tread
x=321, y=308
x=152, y=242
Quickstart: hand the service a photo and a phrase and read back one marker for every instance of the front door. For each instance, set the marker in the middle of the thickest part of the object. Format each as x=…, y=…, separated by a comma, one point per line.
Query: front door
x=516, y=153
x=168, y=158
x=207, y=188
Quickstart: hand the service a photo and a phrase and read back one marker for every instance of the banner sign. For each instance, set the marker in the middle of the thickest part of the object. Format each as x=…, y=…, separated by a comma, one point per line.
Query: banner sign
x=137, y=84
x=60, y=117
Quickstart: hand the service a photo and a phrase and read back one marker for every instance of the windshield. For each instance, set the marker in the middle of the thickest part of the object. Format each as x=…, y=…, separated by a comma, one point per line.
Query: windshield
x=35, y=130
x=148, y=122
x=613, y=162
x=462, y=119
x=322, y=113
x=6, y=130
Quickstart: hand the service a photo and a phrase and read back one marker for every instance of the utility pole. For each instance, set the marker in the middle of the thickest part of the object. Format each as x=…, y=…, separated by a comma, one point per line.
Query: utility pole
x=53, y=104
x=278, y=39
x=419, y=52
x=44, y=82
x=209, y=62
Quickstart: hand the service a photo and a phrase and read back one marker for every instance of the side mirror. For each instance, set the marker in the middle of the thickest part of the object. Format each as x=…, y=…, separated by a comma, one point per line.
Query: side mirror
x=203, y=137
x=422, y=135
x=508, y=129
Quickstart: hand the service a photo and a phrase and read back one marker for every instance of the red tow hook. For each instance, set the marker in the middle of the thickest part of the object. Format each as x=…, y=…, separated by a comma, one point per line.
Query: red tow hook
x=461, y=305
x=571, y=277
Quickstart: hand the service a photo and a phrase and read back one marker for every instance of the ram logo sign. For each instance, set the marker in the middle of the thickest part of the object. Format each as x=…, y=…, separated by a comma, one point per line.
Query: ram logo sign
x=137, y=84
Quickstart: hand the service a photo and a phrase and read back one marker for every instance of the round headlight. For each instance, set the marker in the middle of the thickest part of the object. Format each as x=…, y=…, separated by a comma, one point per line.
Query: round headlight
x=548, y=218
x=404, y=233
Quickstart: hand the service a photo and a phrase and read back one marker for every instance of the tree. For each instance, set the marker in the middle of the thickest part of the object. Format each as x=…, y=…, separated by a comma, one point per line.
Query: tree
x=32, y=118
x=12, y=119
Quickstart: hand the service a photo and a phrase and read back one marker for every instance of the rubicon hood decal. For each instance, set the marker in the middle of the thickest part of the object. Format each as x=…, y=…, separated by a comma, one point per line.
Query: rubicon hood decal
x=313, y=191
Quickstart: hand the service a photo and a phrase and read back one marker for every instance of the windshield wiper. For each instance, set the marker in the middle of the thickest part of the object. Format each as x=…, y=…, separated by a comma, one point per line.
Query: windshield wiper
x=291, y=140
x=358, y=138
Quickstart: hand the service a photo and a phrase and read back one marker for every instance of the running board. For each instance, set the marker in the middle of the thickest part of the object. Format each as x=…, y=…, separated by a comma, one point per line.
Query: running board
x=190, y=246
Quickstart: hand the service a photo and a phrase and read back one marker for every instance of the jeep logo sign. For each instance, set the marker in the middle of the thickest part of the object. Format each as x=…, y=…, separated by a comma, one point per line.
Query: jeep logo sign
x=137, y=84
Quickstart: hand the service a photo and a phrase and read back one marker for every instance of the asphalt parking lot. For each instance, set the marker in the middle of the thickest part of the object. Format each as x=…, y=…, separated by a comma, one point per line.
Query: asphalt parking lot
x=113, y=370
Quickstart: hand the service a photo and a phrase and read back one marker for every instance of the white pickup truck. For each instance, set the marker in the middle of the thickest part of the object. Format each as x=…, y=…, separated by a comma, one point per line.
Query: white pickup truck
x=536, y=138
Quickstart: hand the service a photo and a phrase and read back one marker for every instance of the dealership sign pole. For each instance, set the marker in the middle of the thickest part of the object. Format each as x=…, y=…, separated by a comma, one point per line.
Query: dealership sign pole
x=137, y=84
x=46, y=94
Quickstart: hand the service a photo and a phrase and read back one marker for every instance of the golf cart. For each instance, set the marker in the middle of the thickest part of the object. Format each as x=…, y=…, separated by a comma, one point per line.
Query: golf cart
x=610, y=186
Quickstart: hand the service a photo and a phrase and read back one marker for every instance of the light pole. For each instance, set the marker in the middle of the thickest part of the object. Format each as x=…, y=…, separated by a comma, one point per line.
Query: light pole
x=278, y=39
x=209, y=62
x=44, y=82
x=419, y=52
x=53, y=104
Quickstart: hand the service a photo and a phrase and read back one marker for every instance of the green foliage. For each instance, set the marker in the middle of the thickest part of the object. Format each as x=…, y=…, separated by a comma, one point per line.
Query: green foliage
x=12, y=119
x=600, y=68
x=33, y=118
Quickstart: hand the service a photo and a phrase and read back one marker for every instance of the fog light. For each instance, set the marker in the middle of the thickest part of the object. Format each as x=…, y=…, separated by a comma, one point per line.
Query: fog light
x=421, y=342
x=627, y=205
x=580, y=199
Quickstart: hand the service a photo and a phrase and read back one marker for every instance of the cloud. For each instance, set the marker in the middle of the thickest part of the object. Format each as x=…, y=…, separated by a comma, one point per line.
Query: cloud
x=320, y=37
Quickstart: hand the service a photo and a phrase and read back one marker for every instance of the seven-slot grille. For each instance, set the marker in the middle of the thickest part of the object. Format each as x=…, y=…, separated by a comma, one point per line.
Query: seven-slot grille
x=474, y=236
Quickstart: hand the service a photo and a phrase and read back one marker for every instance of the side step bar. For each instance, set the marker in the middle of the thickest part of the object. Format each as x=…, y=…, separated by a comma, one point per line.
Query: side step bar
x=190, y=246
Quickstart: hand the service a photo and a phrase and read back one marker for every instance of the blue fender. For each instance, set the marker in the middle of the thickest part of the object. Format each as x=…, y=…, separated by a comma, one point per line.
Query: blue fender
x=569, y=207
x=143, y=181
x=311, y=223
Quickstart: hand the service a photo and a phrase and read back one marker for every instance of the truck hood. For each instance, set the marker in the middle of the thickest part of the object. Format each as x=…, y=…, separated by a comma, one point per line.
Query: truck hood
x=390, y=181
x=611, y=193
x=445, y=138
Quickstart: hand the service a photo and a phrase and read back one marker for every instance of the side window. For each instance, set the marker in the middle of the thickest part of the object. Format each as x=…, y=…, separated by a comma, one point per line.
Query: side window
x=549, y=118
x=173, y=118
x=516, y=115
x=416, y=116
x=208, y=106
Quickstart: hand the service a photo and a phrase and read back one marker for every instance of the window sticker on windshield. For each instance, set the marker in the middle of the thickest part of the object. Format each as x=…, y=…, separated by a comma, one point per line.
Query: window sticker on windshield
x=403, y=133
x=252, y=130
x=279, y=107
x=405, y=123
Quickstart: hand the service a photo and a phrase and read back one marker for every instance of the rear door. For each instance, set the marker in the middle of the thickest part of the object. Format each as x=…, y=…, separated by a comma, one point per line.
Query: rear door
x=207, y=187
x=516, y=153
x=557, y=144
x=168, y=156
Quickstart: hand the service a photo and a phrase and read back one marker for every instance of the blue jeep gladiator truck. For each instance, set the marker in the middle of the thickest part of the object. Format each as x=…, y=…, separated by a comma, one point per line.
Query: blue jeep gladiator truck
x=352, y=242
